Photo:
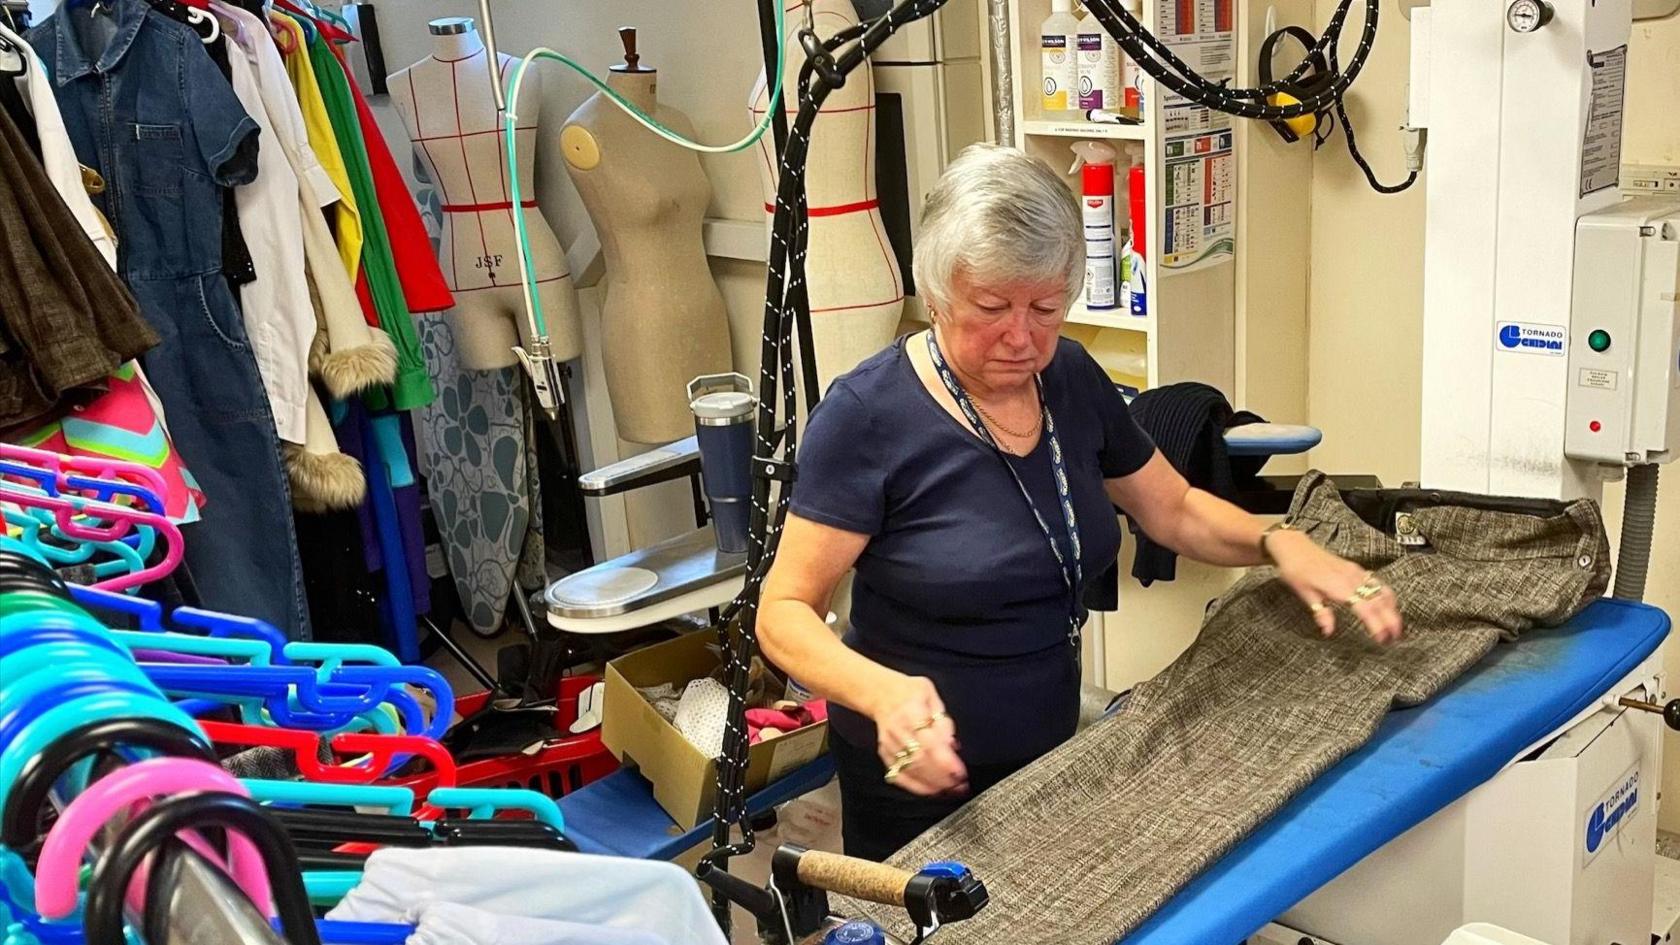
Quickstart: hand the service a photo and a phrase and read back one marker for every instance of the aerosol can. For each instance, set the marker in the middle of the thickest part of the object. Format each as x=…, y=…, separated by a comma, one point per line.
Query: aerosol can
x=1094, y=160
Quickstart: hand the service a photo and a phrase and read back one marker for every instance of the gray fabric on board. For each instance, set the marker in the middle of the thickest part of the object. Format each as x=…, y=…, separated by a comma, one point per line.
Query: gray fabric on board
x=1085, y=844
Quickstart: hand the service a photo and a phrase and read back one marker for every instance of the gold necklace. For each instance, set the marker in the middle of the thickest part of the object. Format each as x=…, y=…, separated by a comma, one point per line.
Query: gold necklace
x=1039, y=421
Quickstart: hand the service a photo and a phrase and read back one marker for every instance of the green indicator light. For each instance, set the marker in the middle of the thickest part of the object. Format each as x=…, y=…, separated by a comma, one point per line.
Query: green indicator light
x=1599, y=340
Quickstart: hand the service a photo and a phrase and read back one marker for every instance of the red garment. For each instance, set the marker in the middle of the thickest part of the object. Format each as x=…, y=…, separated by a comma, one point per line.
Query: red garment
x=784, y=720
x=411, y=246
x=364, y=295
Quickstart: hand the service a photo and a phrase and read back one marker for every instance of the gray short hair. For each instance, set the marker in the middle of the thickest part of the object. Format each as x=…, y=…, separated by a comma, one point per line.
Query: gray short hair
x=998, y=214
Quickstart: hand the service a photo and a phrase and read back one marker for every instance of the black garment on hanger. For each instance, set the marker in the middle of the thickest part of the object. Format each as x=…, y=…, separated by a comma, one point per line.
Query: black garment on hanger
x=237, y=267
x=1188, y=421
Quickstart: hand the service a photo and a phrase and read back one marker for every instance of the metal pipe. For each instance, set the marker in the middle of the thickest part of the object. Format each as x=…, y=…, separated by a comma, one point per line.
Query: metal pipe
x=488, y=21
x=203, y=906
x=472, y=666
x=1003, y=98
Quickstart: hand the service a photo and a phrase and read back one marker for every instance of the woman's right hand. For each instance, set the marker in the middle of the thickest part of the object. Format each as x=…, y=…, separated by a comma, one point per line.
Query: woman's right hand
x=911, y=713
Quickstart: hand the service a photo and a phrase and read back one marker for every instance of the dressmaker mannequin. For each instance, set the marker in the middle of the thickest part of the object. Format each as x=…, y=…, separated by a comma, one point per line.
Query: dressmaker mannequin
x=664, y=321
x=447, y=105
x=856, y=293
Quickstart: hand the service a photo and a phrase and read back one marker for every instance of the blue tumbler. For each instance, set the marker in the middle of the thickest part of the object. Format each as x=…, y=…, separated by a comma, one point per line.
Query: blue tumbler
x=723, y=406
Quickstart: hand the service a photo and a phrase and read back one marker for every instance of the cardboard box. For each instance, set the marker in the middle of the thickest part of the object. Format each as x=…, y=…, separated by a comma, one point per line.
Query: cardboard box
x=684, y=780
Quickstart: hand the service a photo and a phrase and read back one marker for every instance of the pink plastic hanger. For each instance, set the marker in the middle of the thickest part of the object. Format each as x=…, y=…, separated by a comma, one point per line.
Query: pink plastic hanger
x=120, y=521
x=62, y=466
x=61, y=856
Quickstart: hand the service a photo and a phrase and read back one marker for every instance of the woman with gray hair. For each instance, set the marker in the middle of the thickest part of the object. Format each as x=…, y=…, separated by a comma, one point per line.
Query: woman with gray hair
x=970, y=474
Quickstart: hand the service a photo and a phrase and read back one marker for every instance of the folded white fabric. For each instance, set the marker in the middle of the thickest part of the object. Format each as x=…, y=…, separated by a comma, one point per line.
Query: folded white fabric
x=659, y=902
x=445, y=923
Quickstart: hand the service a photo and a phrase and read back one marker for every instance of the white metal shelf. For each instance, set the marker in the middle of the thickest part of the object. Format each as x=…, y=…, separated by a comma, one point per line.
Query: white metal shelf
x=1085, y=129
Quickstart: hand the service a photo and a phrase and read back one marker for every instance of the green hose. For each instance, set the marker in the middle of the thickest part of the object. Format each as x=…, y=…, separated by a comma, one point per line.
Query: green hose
x=533, y=303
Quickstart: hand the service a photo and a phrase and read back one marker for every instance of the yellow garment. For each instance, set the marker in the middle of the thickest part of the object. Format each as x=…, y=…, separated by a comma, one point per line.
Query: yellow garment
x=347, y=219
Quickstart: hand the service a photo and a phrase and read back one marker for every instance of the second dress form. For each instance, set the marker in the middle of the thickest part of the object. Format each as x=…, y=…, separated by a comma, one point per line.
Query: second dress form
x=855, y=288
x=447, y=106
x=663, y=322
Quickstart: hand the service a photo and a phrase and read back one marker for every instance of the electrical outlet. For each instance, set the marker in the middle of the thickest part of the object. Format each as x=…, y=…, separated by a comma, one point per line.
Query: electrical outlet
x=1650, y=179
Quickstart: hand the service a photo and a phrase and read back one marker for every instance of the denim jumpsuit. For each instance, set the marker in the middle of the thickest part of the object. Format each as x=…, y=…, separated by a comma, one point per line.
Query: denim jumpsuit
x=147, y=108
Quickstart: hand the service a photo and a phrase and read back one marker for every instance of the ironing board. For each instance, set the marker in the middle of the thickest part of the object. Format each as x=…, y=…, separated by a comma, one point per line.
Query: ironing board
x=1420, y=761
x=1271, y=439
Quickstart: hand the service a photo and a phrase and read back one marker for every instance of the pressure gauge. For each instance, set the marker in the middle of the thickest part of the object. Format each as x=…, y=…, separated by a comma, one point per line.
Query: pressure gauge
x=1526, y=16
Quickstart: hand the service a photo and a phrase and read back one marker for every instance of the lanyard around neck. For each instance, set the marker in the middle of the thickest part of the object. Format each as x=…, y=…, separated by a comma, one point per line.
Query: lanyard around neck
x=1069, y=565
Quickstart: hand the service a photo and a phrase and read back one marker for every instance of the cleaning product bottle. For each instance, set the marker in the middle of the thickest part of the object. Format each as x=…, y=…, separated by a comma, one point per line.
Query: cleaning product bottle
x=1131, y=75
x=1095, y=162
x=1136, y=251
x=1099, y=66
x=1058, y=43
x=1123, y=259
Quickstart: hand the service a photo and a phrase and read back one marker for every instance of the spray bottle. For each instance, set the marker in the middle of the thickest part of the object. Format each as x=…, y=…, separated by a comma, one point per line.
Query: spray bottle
x=1095, y=162
x=1135, y=251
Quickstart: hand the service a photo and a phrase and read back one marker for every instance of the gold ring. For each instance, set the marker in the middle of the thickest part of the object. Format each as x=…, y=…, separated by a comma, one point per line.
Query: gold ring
x=930, y=722
x=1318, y=608
x=901, y=761
x=1367, y=590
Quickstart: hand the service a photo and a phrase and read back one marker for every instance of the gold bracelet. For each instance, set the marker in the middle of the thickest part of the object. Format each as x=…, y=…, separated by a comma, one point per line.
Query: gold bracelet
x=1283, y=526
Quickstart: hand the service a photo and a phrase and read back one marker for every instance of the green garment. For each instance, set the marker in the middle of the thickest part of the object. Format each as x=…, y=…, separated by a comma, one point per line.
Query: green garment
x=413, y=386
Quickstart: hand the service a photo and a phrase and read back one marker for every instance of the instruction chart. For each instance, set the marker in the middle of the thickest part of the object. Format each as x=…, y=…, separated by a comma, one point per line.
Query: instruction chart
x=1200, y=186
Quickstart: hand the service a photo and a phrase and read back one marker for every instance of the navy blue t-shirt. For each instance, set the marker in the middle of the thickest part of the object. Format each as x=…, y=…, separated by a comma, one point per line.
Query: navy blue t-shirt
x=957, y=582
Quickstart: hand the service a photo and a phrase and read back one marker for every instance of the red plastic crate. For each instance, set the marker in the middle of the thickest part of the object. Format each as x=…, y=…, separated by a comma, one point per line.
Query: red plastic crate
x=557, y=769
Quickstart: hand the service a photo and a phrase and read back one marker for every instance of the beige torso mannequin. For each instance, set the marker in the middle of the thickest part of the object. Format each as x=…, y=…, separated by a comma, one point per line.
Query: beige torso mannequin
x=857, y=295
x=449, y=110
x=664, y=321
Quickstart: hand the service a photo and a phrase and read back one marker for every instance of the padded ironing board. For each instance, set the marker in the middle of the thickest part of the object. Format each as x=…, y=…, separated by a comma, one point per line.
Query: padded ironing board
x=1420, y=761
x=1271, y=439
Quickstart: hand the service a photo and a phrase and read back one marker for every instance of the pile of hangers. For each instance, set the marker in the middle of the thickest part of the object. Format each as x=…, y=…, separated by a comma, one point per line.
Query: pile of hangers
x=103, y=727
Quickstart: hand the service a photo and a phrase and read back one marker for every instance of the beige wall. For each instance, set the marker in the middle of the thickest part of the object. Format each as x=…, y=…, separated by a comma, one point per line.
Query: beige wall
x=1365, y=327
x=1366, y=320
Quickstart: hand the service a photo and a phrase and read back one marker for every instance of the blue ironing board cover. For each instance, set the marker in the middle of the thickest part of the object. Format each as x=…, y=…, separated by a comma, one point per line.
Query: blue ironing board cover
x=1419, y=762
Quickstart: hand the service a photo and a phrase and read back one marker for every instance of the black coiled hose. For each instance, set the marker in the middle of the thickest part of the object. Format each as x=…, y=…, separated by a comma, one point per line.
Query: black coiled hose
x=786, y=306
x=1157, y=59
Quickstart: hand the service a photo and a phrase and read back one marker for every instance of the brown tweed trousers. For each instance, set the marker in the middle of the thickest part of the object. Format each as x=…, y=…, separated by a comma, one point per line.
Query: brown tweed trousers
x=1089, y=841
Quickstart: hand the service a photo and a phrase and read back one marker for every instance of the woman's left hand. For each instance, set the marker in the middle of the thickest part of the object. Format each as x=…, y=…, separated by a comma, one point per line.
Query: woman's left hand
x=1323, y=582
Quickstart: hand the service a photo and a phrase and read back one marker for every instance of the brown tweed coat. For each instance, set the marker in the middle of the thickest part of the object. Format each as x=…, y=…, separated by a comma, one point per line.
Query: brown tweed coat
x=1088, y=842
